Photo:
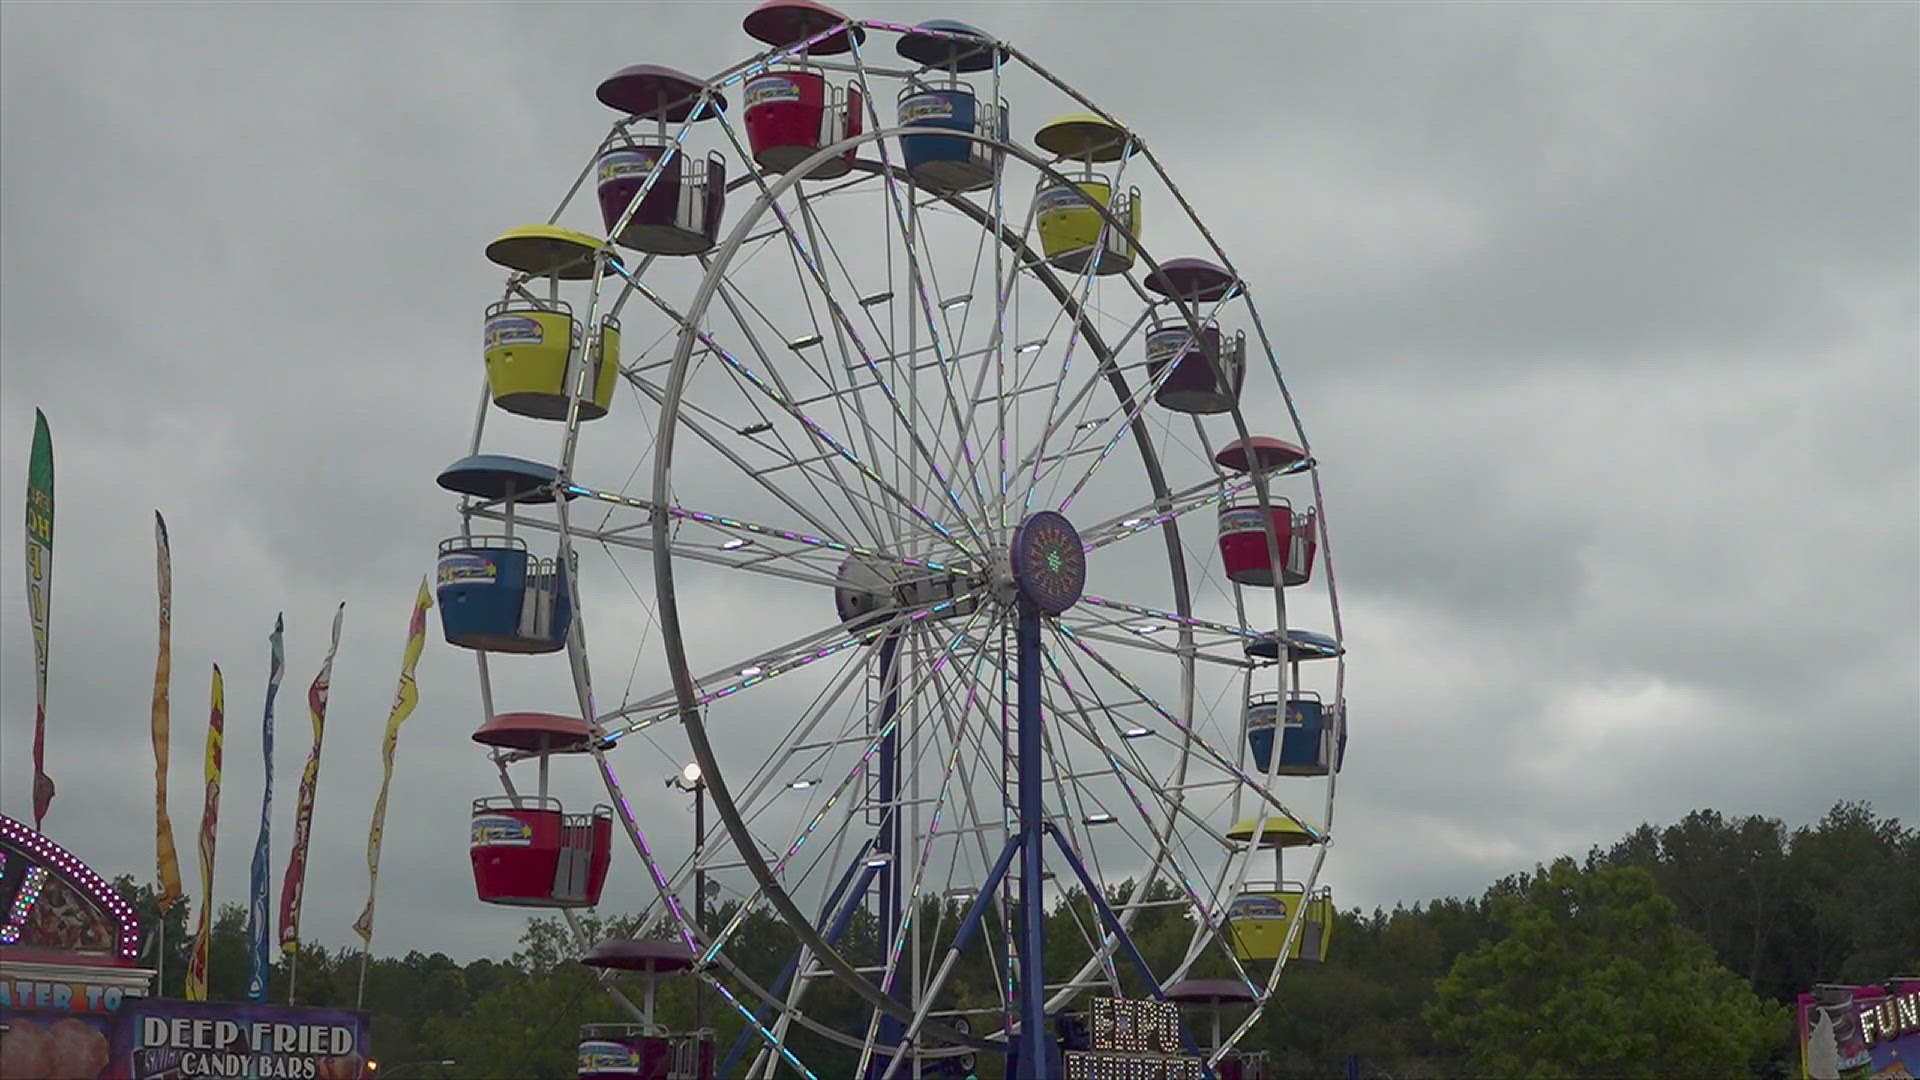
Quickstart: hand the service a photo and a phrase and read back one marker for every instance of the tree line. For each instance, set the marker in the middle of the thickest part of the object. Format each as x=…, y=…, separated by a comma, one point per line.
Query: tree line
x=1675, y=951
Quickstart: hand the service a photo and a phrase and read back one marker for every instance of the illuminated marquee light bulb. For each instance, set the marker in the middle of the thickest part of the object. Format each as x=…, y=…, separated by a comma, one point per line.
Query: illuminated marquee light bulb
x=29, y=895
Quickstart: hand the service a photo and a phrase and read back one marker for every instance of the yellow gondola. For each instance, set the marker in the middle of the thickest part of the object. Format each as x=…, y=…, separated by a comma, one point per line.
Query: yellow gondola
x=1262, y=912
x=1068, y=216
x=530, y=342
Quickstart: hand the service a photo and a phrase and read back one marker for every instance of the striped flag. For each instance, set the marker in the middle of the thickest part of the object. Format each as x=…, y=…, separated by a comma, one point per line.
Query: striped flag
x=40, y=598
x=296, y=879
x=169, y=858
x=259, y=917
x=404, y=701
x=209, y=825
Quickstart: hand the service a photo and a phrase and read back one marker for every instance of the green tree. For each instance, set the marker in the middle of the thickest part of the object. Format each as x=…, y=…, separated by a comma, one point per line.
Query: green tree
x=1593, y=975
x=1858, y=884
x=1729, y=880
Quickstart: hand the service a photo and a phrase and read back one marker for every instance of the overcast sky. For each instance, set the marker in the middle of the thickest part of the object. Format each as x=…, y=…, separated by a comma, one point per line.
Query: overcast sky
x=1603, y=320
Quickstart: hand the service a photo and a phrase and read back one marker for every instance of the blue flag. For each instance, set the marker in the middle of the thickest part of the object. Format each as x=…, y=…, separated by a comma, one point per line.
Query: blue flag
x=258, y=923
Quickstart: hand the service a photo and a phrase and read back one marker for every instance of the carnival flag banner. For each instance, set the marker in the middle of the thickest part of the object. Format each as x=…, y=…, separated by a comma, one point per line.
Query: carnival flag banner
x=40, y=598
x=259, y=911
x=296, y=879
x=209, y=825
x=407, y=698
x=169, y=858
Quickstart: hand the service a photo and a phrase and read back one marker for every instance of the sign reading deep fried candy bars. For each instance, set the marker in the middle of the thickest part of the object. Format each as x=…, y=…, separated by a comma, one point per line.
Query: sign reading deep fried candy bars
x=79, y=1034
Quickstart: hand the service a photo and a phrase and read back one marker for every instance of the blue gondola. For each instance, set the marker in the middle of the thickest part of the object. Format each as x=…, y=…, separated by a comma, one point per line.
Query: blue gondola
x=495, y=596
x=948, y=163
x=1306, y=738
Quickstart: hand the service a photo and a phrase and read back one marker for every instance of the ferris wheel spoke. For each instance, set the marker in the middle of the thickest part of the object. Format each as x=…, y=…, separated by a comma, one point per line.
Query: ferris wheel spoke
x=820, y=466
x=738, y=529
x=948, y=772
x=796, y=252
x=1131, y=767
x=811, y=825
x=1142, y=634
x=1226, y=632
x=758, y=476
x=627, y=537
x=912, y=411
x=1074, y=411
x=1171, y=508
x=772, y=390
x=806, y=267
x=866, y=470
x=1142, y=400
x=634, y=716
x=1003, y=292
x=1209, y=925
x=1075, y=799
x=1160, y=831
x=922, y=272
x=1081, y=291
x=803, y=251
x=853, y=776
x=1003, y=289
x=1255, y=786
x=733, y=302
x=960, y=732
x=1149, y=393
x=766, y=666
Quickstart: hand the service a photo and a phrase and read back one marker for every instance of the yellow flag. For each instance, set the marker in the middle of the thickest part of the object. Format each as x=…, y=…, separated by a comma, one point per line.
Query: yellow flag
x=403, y=704
x=209, y=825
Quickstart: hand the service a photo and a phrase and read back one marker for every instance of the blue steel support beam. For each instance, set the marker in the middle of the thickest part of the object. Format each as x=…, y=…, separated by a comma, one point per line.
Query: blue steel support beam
x=1037, y=1050
x=889, y=839
x=1112, y=924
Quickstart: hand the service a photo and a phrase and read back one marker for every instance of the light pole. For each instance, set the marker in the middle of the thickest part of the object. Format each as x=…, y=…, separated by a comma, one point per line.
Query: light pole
x=689, y=779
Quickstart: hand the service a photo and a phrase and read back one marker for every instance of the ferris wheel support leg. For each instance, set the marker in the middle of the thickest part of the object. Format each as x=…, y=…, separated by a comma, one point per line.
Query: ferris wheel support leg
x=970, y=922
x=1112, y=923
x=889, y=838
x=1037, y=1050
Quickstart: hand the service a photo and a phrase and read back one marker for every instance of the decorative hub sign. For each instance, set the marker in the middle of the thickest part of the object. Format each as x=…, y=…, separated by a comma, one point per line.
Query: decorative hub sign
x=1132, y=1039
x=1049, y=562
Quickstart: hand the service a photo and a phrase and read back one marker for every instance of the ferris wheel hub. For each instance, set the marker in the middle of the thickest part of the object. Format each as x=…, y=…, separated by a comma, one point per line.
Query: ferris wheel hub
x=1048, y=561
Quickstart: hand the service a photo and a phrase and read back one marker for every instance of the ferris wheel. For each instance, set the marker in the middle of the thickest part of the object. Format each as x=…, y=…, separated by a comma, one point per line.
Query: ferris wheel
x=968, y=555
